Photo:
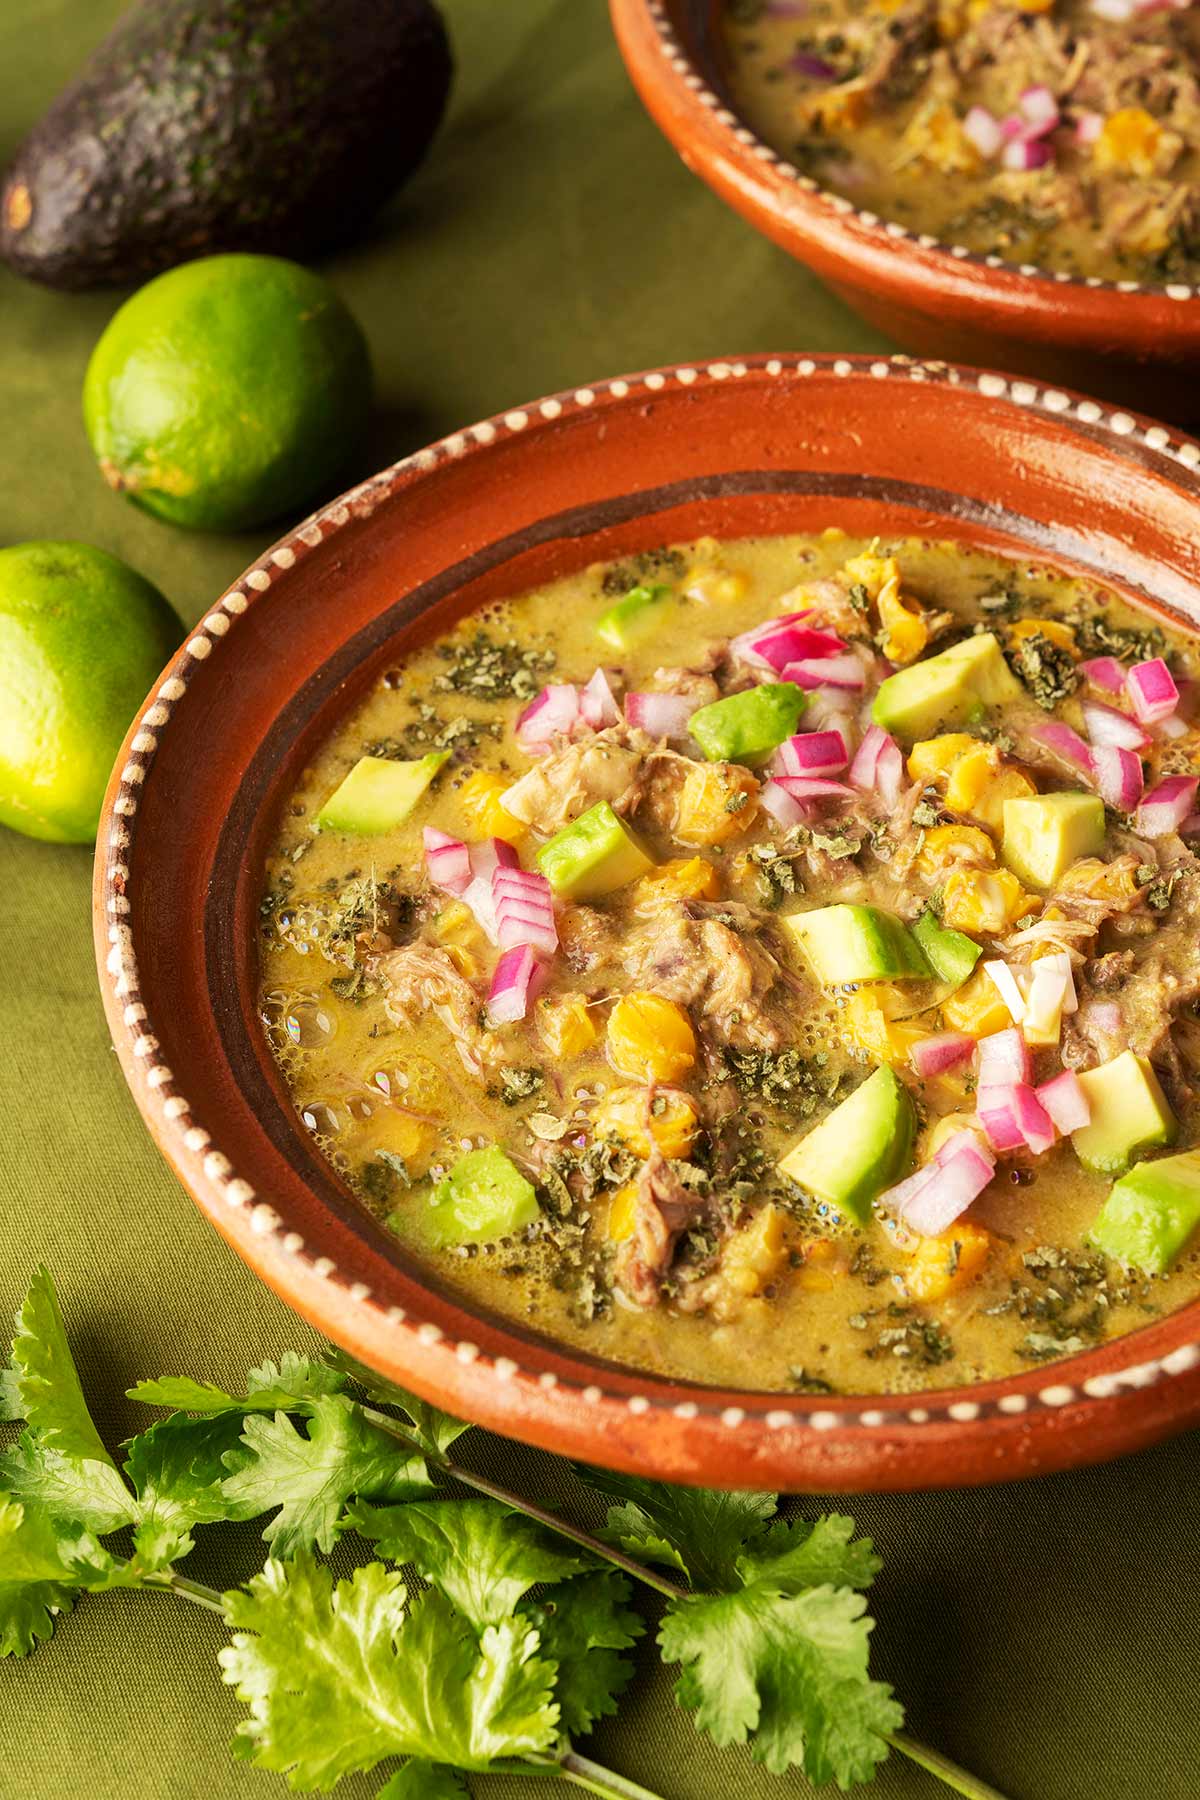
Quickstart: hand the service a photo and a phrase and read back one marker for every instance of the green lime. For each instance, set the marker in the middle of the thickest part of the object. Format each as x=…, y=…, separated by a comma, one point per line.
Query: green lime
x=82, y=638
x=227, y=391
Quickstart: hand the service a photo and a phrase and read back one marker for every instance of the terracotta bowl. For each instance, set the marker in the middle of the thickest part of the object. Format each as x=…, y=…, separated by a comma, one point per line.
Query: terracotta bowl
x=1139, y=344
x=761, y=446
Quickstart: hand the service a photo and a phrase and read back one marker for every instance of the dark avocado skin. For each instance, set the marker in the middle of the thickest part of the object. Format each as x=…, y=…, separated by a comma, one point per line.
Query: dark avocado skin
x=208, y=125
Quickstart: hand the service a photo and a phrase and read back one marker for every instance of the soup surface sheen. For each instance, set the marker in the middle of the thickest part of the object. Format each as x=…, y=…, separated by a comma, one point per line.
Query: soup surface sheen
x=685, y=1038
x=1062, y=133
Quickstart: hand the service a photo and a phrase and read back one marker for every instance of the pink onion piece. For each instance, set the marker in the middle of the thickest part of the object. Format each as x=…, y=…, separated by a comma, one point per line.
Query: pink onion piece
x=598, y=704
x=934, y=1055
x=1026, y=153
x=554, y=713
x=1166, y=806
x=518, y=979
x=997, y=1112
x=1066, y=1103
x=983, y=129
x=930, y=1201
x=448, y=861
x=491, y=854
x=760, y=645
x=1039, y=109
x=780, y=805
x=1152, y=691
x=1104, y=1015
x=524, y=909
x=1065, y=743
x=815, y=67
x=1104, y=672
x=1088, y=126
x=1107, y=726
x=811, y=753
x=1003, y=1059
x=1171, y=727
x=878, y=765
x=660, y=715
x=1037, y=1127
x=1118, y=776
x=478, y=896
x=826, y=671
x=833, y=709
x=814, y=787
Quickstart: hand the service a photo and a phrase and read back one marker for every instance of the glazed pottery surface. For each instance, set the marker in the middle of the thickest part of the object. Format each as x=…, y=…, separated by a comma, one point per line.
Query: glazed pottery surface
x=1137, y=343
x=764, y=445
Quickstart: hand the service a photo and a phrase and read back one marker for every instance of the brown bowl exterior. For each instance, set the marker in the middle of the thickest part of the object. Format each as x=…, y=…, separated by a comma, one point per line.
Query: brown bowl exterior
x=1137, y=344
x=765, y=445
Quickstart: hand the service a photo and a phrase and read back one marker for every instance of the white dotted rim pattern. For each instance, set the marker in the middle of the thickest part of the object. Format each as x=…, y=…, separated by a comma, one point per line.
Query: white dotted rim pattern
x=682, y=65
x=192, y=1145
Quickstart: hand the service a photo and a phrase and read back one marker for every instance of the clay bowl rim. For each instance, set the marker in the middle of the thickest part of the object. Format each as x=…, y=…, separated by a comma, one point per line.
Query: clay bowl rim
x=844, y=241
x=1098, y=1403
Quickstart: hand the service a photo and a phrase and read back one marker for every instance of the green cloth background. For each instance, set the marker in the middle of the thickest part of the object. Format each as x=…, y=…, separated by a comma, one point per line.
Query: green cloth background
x=1044, y=1634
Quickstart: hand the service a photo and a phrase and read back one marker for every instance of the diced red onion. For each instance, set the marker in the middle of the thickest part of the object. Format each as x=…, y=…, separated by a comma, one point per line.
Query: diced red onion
x=1151, y=689
x=598, y=704
x=930, y=1201
x=1065, y=743
x=478, y=896
x=660, y=715
x=815, y=67
x=524, y=910
x=1005, y=983
x=517, y=981
x=1039, y=110
x=448, y=861
x=491, y=854
x=811, y=753
x=1166, y=806
x=554, y=713
x=934, y=1055
x=1036, y=1125
x=783, y=809
x=826, y=671
x=1118, y=776
x=1107, y=726
x=983, y=129
x=1104, y=672
x=1026, y=153
x=997, y=1112
x=1088, y=126
x=1117, y=12
x=814, y=787
x=1065, y=1101
x=1003, y=1059
x=878, y=765
x=1104, y=1015
x=769, y=645
x=1171, y=727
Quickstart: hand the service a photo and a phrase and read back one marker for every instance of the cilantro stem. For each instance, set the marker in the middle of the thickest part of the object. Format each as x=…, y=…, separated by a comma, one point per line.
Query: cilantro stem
x=581, y=1772
x=936, y=1764
x=173, y=1583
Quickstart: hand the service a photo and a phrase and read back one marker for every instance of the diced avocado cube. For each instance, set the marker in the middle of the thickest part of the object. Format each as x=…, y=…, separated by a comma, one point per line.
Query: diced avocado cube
x=956, y=687
x=593, y=856
x=746, y=727
x=632, y=616
x=378, y=794
x=1130, y=1113
x=1045, y=833
x=485, y=1196
x=950, y=954
x=1151, y=1213
x=857, y=943
x=861, y=1148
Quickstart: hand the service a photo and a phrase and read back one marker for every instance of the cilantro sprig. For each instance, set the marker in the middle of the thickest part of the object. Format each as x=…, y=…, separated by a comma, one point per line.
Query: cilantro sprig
x=515, y=1642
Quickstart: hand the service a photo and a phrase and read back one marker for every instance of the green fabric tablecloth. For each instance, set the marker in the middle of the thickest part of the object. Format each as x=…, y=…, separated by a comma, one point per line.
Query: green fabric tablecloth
x=1044, y=1635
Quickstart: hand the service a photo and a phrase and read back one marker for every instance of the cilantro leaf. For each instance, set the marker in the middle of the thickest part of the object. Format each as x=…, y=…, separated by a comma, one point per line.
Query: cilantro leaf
x=89, y=1493
x=792, y=1669
x=435, y=1431
x=27, y=1613
x=424, y=1781
x=269, y=1388
x=178, y=1471
x=338, y=1679
x=11, y=1405
x=482, y=1556
x=310, y=1475
x=799, y=1554
x=582, y=1629
x=698, y=1530
x=41, y=1563
x=47, y=1383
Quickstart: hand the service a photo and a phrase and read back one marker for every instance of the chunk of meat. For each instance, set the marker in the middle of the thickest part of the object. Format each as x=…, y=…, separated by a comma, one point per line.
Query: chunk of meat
x=573, y=778
x=588, y=938
x=420, y=978
x=663, y=1209
x=725, y=975
x=697, y=684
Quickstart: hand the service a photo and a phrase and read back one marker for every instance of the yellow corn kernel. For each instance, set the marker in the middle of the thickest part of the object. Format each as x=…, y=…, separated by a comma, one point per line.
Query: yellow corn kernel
x=711, y=806
x=984, y=900
x=627, y=1113
x=933, y=758
x=976, y=1008
x=755, y=1252
x=393, y=1129
x=649, y=1038
x=480, y=795
x=463, y=960
x=1052, y=629
x=838, y=108
x=709, y=584
x=969, y=777
x=1101, y=880
x=948, y=1126
x=905, y=631
x=865, y=1021
x=944, y=846
x=935, y=135
x=622, y=1209
x=682, y=878
x=1032, y=6
x=566, y=1026
x=941, y=1266
x=1133, y=139
x=457, y=930
x=1007, y=784
x=819, y=1272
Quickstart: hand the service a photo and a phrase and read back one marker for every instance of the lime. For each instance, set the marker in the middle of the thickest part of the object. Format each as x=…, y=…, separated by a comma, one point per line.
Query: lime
x=82, y=638
x=227, y=391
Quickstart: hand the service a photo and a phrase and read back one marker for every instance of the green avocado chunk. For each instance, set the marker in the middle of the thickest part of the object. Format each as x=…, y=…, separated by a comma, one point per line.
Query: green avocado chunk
x=950, y=954
x=1045, y=833
x=1151, y=1213
x=956, y=687
x=378, y=794
x=632, y=617
x=857, y=943
x=484, y=1197
x=861, y=1148
x=1130, y=1112
x=746, y=727
x=593, y=856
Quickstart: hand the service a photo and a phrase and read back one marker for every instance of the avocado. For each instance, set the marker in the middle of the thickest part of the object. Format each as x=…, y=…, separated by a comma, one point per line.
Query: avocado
x=632, y=616
x=857, y=943
x=1151, y=1213
x=484, y=1197
x=746, y=727
x=950, y=954
x=1130, y=1112
x=378, y=794
x=860, y=1149
x=207, y=125
x=593, y=856
x=957, y=687
x=1045, y=833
